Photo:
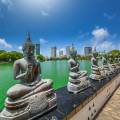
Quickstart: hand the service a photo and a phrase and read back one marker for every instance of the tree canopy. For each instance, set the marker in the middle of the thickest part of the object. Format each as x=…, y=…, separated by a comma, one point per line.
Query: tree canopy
x=14, y=55
x=9, y=56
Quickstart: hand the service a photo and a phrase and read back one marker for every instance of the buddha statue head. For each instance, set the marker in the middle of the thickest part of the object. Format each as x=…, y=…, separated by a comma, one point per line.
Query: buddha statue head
x=28, y=47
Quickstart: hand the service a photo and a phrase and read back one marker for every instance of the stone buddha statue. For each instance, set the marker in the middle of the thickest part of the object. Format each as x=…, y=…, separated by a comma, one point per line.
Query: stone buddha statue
x=33, y=95
x=96, y=71
x=105, y=65
x=77, y=79
x=112, y=65
x=117, y=62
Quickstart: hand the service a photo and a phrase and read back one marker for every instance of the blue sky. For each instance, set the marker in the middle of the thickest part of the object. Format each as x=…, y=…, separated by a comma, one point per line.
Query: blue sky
x=60, y=23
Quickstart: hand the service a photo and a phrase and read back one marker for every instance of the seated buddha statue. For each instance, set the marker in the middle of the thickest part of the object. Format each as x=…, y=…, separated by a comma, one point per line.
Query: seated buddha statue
x=105, y=65
x=96, y=70
x=112, y=65
x=77, y=79
x=32, y=95
x=117, y=62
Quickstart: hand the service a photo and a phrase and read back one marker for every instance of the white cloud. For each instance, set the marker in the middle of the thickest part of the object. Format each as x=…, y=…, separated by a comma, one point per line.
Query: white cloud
x=100, y=34
x=44, y=13
x=20, y=47
x=107, y=45
x=43, y=41
x=103, y=40
x=4, y=44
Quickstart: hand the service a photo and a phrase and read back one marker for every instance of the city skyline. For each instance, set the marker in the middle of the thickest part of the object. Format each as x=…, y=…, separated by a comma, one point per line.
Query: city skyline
x=60, y=23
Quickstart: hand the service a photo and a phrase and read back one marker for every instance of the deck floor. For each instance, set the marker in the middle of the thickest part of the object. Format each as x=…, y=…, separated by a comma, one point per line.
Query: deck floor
x=111, y=111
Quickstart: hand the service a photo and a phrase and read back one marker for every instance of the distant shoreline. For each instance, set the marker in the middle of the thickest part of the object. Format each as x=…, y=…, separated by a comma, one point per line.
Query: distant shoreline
x=6, y=62
x=39, y=61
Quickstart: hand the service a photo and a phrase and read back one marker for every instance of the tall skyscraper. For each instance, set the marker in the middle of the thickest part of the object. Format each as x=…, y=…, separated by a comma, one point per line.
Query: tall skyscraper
x=53, y=52
x=37, y=49
x=68, y=51
x=61, y=53
x=88, y=50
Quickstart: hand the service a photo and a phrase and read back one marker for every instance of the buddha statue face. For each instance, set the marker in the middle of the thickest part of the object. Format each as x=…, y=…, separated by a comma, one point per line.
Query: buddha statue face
x=28, y=47
x=28, y=51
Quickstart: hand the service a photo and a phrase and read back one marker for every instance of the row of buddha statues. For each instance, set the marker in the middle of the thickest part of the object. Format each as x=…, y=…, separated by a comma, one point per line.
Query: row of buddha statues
x=101, y=69
x=34, y=96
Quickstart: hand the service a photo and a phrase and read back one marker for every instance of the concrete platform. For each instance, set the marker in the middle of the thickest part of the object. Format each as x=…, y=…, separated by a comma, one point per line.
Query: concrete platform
x=111, y=110
x=67, y=102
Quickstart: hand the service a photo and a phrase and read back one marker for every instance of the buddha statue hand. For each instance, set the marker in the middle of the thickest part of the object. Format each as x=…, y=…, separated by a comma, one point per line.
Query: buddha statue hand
x=29, y=71
x=29, y=68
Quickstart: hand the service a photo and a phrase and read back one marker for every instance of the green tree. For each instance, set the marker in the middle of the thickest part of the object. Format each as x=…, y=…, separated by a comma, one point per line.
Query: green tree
x=2, y=51
x=4, y=57
x=15, y=55
x=115, y=53
x=10, y=56
x=41, y=58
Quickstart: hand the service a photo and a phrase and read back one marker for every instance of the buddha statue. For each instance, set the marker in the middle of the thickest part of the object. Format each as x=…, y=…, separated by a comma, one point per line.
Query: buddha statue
x=112, y=65
x=96, y=70
x=77, y=79
x=117, y=62
x=32, y=96
x=105, y=65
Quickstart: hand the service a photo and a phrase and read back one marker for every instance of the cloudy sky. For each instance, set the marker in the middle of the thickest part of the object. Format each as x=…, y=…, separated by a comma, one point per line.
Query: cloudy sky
x=60, y=23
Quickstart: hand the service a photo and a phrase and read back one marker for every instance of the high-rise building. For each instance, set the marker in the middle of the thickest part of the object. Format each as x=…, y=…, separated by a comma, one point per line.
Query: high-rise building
x=37, y=49
x=61, y=53
x=53, y=52
x=87, y=50
x=68, y=51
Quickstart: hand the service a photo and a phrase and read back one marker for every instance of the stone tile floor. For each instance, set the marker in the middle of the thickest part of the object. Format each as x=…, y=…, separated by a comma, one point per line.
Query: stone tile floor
x=111, y=110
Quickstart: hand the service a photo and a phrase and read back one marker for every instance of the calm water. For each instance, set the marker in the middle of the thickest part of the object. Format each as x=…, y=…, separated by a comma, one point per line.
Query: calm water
x=55, y=70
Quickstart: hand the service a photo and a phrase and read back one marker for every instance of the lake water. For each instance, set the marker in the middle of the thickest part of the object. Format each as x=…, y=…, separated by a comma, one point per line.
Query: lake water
x=55, y=70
